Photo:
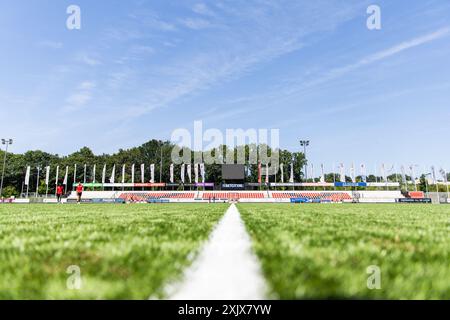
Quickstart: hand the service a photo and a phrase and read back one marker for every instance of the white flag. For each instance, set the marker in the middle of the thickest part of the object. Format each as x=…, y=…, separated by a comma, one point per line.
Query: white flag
x=322, y=177
x=413, y=177
x=352, y=173
x=104, y=174
x=143, y=173
x=171, y=173
x=47, y=175
x=113, y=175
x=66, y=176
x=57, y=176
x=402, y=169
x=196, y=172
x=84, y=174
x=182, y=173
x=93, y=173
x=189, y=172
x=202, y=172
x=132, y=173
x=123, y=173
x=267, y=173
x=152, y=173
x=383, y=172
x=74, y=174
x=444, y=175
x=291, y=178
x=363, y=173
x=342, y=172
x=27, y=176
x=433, y=175
x=282, y=172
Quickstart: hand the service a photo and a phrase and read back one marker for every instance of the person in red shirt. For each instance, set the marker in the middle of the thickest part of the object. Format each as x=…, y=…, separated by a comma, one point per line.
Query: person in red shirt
x=79, y=192
x=59, y=192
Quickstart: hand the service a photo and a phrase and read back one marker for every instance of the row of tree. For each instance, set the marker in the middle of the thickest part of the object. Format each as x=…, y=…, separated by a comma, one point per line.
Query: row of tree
x=153, y=152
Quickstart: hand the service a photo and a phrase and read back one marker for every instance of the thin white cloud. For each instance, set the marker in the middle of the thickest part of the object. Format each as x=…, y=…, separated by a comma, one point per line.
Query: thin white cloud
x=81, y=96
x=195, y=23
x=366, y=61
x=202, y=9
x=51, y=44
x=88, y=59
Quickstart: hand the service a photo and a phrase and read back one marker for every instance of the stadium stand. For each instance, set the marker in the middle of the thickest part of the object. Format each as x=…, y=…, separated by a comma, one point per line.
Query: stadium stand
x=233, y=195
x=246, y=196
x=322, y=196
x=146, y=196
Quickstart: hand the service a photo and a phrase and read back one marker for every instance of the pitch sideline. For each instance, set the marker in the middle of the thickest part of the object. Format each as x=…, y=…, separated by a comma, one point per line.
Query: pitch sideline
x=226, y=267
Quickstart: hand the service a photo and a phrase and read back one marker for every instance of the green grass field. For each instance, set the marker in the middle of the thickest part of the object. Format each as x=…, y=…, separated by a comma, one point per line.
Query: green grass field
x=123, y=252
x=323, y=251
x=306, y=251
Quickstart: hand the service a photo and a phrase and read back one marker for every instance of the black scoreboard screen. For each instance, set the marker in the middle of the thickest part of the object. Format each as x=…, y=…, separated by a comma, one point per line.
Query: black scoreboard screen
x=233, y=172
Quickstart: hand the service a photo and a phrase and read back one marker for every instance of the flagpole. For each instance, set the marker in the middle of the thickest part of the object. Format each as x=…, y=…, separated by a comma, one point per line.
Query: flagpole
x=446, y=183
x=47, y=177
x=37, y=180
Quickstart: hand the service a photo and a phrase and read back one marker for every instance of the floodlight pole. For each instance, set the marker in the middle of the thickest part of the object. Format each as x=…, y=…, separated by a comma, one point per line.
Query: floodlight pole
x=160, y=166
x=304, y=144
x=6, y=142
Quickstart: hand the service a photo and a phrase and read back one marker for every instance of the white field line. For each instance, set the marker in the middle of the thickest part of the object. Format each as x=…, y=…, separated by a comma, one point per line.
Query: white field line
x=226, y=268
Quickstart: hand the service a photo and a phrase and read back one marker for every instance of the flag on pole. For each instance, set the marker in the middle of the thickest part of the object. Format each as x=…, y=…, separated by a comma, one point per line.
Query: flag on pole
x=143, y=173
x=389, y=172
x=182, y=173
x=202, y=172
x=259, y=172
x=66, y=176
x=433, y=175
x=152, y=173
x=402, y=169
x=282, y=172
x=84, y=174
x=27, y=176
x=322, y=177
x=342, y=172
x=171, y=173
x=104, y=174
x=196, y=172
x=113, y=175
x=311, y=172
x=383, y=172
x=413, y=177
x=123, y=173
x=444, y=175
x=47, y=175
x=75, y=173
x=93, y=173
x=132, y=173
x=352, y=173
x=189, y=172
x=363, y=173
x=267, y=173
x=291, y=177
x=57, y=175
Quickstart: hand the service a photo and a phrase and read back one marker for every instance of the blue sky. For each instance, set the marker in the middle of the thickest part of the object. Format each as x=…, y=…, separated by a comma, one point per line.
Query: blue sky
x=140, y=69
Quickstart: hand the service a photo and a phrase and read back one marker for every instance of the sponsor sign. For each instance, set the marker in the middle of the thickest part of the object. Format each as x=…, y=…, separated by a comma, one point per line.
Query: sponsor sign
x=205, y=184
x=411, y=200
x=233, y=186
x=350, y=184
x=383, y=184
